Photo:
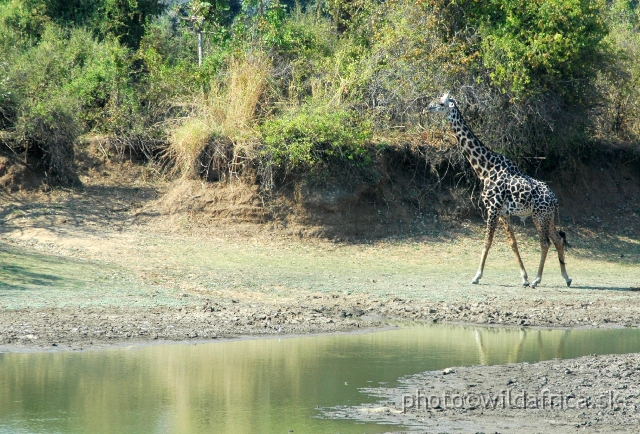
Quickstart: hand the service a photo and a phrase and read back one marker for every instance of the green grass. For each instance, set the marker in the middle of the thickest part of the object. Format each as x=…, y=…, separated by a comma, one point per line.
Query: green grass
x=145, y=269
x=30, y=279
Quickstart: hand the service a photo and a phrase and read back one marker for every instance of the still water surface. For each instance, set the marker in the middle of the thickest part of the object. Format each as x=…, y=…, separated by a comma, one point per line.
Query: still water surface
x=260, y=385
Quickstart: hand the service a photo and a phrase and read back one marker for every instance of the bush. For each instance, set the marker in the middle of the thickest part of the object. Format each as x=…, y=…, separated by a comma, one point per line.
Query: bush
x=516, y=86
x=312, y=137
x=21, y=22
x=218, y=137
x=56, y=90
x=543, y=46
x=51, y=128
x=186, y=145
x=305, y=91
x=618, y=115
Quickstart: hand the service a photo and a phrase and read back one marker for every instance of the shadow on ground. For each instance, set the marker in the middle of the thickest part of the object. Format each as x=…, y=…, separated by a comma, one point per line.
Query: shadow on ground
x=21, y=269
x=90, y=208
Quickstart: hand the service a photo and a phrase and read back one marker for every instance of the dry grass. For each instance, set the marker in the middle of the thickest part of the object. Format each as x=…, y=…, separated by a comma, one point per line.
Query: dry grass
x=226, y=115
x=187, y=142
x=247, y=84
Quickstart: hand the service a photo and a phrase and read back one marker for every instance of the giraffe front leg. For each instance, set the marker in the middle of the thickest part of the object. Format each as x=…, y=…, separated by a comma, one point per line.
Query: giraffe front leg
x=488, y=239
x=514, y=246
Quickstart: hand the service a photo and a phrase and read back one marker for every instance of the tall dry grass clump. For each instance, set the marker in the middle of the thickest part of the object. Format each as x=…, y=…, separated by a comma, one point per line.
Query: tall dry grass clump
x=219, y=137
x=247, y=85
x=186, y=144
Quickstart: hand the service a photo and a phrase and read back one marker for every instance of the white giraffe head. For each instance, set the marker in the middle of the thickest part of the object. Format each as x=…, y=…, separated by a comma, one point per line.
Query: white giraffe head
x=443, y=104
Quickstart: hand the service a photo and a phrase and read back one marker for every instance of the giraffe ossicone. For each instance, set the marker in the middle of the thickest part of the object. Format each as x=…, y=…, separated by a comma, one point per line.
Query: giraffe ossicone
x=506, y=192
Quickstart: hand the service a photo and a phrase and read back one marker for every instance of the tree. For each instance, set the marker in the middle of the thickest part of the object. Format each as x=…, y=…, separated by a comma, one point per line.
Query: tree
x=205, y=17
x=198, y=12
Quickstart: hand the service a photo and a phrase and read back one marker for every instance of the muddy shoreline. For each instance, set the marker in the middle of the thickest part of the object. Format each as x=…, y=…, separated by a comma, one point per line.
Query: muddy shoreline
x=78, y=327
x=531, y=397
x=587, y=394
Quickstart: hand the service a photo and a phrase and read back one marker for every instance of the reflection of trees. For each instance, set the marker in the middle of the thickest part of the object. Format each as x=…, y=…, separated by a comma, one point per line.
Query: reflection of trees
x=243, y=386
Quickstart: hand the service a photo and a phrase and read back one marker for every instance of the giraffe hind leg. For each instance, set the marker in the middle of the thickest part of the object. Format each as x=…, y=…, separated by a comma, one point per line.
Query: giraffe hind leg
x=543, y=232
x=559, y=239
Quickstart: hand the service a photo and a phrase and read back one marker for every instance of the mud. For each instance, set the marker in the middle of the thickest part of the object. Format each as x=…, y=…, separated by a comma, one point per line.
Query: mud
x=224, y=318
x=588, y=394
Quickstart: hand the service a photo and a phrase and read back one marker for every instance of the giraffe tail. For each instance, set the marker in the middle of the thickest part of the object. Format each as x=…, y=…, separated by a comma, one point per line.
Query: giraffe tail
x=562, y=234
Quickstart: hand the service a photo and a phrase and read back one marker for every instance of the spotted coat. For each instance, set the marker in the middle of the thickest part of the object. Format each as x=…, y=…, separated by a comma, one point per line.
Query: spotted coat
x=507, y=191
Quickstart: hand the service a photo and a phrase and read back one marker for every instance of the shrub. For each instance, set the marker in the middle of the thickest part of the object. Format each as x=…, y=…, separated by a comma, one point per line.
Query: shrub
x=49, y=130
x=187, y=143
x=21, y=22
x=515, y=86
x=219, y=135
x=312, y=137
x=59, y=87
x=618, y=116
x=123, y=20
x=540, y=46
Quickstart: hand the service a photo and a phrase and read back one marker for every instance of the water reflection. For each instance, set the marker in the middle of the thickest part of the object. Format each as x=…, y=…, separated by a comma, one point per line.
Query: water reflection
x=261, y=385
x=547, y=348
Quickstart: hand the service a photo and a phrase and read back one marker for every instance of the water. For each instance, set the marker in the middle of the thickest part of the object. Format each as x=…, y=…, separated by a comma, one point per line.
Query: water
x=256, y=386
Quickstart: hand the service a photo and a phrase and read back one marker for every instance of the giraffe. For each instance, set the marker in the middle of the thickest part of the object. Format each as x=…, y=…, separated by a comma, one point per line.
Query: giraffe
x=507, y=192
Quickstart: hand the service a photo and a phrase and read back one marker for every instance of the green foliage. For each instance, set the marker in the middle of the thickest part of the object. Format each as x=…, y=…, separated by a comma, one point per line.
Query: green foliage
x=57, y=89
x=619, y=83
x=521, y=48
x=21, y=20
x=122, y=19
x=543, y=45
x=204, y=16
x=313, y=136
x=72, y=64
x=125, y=19
x=50, y=127
x=350, y=16
x=318, y=83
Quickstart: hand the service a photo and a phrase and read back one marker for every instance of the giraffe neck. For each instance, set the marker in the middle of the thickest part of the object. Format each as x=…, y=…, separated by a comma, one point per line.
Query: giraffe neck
x=482, y=159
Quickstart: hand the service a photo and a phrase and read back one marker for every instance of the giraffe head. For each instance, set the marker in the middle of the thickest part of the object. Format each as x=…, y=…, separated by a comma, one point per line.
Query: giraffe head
x=443, y=104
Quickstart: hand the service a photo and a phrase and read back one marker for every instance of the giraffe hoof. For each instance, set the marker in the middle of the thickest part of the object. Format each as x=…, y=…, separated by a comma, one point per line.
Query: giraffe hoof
x=569, y=282
x=475, y=281
x=525, y=284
